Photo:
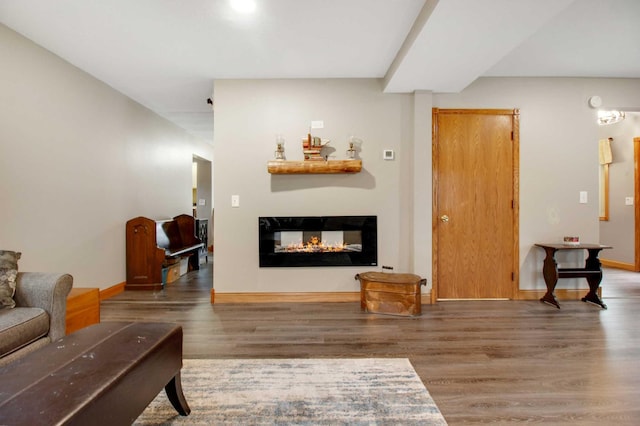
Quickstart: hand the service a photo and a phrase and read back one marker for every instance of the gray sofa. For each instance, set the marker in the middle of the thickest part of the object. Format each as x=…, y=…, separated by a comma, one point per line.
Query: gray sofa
x=39, y=316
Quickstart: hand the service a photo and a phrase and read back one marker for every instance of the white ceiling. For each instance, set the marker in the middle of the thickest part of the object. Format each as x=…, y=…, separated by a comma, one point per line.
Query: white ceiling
x=165, y=54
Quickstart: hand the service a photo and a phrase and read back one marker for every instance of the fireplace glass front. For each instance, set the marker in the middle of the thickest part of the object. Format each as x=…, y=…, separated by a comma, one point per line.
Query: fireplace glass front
x=318, y=241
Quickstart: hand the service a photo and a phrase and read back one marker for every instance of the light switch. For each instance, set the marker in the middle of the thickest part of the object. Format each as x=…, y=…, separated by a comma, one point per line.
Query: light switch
x=628, y=201
x=202, y=202
x=235, y=201
x=583, y=197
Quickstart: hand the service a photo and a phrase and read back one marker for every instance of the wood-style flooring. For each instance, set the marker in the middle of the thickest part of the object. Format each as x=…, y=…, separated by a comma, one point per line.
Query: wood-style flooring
x=505, y=362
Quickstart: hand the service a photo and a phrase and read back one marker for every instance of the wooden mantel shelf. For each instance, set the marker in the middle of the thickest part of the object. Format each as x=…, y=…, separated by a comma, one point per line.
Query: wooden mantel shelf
x=281, y=167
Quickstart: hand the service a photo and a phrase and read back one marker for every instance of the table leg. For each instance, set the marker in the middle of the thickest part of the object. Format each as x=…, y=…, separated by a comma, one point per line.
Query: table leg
x=593, y=264
x=550, y=273
x=176, y=397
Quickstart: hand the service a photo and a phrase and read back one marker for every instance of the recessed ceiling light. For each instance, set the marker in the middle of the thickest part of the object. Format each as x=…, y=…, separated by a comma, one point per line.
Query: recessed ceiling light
x=243, y=6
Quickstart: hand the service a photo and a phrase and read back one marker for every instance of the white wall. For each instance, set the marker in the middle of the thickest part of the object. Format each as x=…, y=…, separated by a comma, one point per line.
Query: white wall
x=421, y=187
x=77, y=160
x=558, y=159
x=249, y=114
x=619, y=230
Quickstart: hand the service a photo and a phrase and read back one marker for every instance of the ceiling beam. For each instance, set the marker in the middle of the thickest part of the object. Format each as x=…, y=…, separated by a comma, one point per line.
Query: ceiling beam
x=453, y=42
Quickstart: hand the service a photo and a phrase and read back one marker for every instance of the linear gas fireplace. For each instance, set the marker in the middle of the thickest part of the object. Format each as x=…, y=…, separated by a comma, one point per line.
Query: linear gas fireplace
x=318, y=241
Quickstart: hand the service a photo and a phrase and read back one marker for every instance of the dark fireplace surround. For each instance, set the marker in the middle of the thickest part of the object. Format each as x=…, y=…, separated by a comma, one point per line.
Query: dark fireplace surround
x=300, y=241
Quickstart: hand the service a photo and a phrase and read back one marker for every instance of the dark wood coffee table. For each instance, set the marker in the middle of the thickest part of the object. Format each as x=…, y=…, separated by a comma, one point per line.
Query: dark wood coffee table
x=592, y=271
x=105, y=374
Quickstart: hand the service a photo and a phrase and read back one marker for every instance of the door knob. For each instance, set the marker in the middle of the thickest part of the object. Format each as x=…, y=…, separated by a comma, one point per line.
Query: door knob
x=444, y=218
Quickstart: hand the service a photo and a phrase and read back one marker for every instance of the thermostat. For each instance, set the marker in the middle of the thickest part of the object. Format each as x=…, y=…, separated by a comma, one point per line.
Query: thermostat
x=388, y=154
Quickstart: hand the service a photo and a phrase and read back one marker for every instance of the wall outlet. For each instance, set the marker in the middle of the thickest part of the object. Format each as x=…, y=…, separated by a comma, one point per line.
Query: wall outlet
x=317, y=124
x=388, y=154
x=584, y=199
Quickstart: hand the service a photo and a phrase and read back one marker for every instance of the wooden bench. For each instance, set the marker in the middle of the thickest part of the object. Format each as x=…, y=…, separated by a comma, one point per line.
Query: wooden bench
x=152, y=243
x=105, y=374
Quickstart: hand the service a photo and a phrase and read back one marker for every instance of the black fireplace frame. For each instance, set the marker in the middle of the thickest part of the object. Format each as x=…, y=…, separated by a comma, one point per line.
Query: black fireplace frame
x=268, y=226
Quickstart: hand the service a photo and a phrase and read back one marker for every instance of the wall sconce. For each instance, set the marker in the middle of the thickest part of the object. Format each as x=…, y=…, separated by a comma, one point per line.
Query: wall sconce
x=610, y=117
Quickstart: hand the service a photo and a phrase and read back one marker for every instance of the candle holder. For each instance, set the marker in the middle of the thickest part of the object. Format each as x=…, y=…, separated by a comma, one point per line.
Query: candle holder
x=351, y=152
x=279, y=152
x=354, y=147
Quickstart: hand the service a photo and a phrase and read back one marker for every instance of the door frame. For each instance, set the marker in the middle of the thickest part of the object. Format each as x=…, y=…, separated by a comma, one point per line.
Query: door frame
x=515, y=173
x=636, y=195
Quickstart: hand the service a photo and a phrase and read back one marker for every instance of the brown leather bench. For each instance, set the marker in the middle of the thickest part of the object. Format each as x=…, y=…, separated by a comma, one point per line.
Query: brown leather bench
x=105, y=374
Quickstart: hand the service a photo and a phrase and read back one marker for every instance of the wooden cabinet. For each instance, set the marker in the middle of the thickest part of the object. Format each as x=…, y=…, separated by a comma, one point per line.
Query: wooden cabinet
x=83, y=308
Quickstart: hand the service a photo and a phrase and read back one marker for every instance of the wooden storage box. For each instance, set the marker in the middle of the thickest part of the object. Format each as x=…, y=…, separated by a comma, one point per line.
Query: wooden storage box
x=387, y=293
x=184, y=265
x=170, y=273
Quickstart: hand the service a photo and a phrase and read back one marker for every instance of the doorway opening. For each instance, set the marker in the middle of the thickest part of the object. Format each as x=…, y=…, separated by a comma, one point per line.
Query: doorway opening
x=202, y=203
x=620, y=228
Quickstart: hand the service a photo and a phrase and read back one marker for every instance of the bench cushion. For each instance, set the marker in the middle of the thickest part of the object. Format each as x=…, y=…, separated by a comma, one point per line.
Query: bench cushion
x=21, y=326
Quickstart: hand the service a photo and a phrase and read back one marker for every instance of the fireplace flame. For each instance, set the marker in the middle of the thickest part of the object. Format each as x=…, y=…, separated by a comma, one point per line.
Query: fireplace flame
x=315, y=245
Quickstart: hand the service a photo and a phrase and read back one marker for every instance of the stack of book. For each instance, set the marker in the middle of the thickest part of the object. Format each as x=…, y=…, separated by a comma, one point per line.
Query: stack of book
x=312, y=147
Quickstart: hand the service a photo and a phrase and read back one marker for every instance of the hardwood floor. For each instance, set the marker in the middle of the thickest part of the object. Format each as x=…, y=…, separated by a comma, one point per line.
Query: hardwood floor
x=500, y=362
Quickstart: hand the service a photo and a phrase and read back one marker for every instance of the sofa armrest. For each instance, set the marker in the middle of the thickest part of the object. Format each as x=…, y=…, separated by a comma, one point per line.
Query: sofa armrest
x=47, y=291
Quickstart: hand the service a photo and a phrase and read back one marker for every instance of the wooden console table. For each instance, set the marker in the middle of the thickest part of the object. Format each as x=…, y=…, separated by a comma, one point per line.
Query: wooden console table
x=592, y=271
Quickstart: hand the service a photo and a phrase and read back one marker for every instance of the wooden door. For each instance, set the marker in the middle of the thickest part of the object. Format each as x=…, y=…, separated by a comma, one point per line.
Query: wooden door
x=475, y=220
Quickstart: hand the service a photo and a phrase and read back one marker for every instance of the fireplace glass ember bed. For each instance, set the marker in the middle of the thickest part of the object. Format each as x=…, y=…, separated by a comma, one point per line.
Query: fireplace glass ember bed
x=318, y=241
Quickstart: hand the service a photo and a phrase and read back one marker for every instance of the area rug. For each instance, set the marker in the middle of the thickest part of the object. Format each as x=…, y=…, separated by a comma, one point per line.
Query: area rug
x=371, y=391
